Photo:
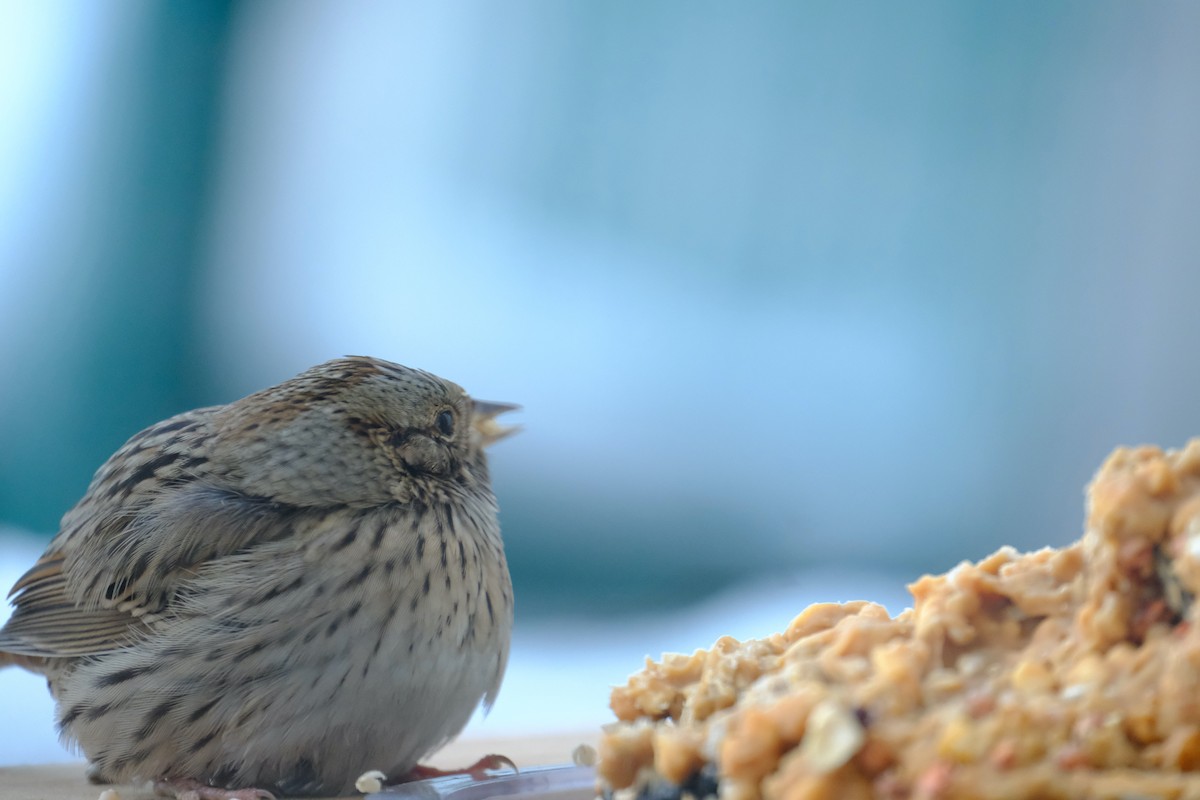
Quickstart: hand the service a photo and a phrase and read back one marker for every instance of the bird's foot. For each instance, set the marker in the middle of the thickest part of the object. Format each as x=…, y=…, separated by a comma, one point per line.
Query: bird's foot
x=190, y=789
x=479, y=770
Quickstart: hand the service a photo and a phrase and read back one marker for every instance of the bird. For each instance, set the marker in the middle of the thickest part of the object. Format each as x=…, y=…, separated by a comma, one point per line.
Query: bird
x=279, y=593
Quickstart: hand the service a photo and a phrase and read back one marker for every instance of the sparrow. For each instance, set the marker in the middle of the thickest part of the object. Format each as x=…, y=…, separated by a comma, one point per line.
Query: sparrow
x=280, y=593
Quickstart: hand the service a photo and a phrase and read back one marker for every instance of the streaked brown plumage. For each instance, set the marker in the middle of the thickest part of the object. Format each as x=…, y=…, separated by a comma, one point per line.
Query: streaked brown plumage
x=281, y=592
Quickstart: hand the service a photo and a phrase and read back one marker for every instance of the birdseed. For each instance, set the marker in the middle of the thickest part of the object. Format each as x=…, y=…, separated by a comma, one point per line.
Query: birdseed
x=1060, y=673
x=369, y=782
x=584, y=756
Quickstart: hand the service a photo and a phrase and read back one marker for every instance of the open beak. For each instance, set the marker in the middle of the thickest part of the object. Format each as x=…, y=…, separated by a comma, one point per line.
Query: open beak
x=484, y=421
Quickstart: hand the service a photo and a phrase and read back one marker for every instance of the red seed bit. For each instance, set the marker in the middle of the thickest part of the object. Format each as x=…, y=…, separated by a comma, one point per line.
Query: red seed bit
x=934, y=781
x=980, y=703
x=1071, y=757
x=1004, y=755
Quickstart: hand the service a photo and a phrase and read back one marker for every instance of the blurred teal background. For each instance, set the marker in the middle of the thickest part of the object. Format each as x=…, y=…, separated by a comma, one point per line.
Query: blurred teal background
x=781, y=286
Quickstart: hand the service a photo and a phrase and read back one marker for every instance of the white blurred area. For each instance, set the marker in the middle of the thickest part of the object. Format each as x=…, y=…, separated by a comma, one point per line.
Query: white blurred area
x=800, y=300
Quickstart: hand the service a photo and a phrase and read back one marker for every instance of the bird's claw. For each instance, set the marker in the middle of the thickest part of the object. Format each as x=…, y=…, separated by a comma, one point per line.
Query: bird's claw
x=189, y=789
x=479, y=770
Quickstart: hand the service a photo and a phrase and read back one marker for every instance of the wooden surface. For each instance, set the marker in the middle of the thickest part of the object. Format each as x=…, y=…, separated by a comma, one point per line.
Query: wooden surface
x=67, y=781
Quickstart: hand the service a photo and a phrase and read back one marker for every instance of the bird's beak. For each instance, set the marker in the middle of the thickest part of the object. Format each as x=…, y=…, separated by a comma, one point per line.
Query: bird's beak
x=484, y=421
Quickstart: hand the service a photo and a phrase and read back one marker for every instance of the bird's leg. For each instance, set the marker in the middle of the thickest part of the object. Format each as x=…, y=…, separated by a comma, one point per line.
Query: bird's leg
x=190, y=789
x=479, y=770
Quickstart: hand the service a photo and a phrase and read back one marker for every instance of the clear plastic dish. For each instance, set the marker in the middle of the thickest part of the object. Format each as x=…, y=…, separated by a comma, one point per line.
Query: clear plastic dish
x=564, y=782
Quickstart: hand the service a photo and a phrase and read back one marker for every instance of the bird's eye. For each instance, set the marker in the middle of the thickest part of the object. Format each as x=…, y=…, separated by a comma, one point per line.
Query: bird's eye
x=445, y=423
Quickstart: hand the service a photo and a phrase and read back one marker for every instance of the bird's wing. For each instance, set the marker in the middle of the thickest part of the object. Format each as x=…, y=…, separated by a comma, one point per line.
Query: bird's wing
x=154, y=513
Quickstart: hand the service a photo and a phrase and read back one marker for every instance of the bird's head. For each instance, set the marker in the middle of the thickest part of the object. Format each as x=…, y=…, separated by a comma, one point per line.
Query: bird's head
x=357, y=431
